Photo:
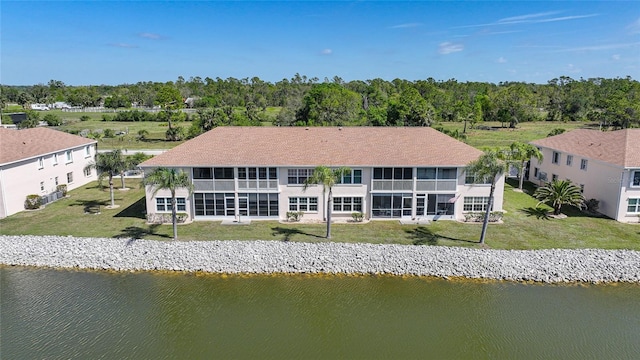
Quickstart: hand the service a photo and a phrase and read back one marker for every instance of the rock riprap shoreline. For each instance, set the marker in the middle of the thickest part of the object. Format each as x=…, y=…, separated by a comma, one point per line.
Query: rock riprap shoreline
x=268, y=257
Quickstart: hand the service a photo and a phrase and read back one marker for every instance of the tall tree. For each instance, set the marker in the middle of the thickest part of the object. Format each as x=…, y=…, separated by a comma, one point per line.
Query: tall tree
x=108, y=165
x=172, y=180
x=519, y=153
x=488, y=166
x=170, y=99
x=558, y=193
x=327, y=177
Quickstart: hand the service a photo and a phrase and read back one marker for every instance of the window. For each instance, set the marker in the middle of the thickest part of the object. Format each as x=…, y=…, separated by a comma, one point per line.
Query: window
x=202, y=173
x=41, y=185
x=223, y=173
x=69, y=156
x=542, y=176
x=536, y=172
x=436, y=173
x=554, y=177
x=303, y=204
x=40, y=162
x=475, y=203
x=569, y=160
x=583, y=164
x=87, y=151
x=262, y=173
x=164, y=204
x=347, y=204
x=582, y=188
x=55, y=159
x=474, y=179
x=393, y=173
x=298, y=176
x=633, y=206
x=69, y=177
x=218, y=204
x=56, y=181
x=87, y=171
x=555, y=158
x=354, y=177
x=635, y=178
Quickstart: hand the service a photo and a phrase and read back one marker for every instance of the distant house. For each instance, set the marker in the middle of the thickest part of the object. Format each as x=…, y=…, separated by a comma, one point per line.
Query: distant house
x=42, y=107
x=606, y=165
x=36, y=161
x=259, y=173
x=61, y=105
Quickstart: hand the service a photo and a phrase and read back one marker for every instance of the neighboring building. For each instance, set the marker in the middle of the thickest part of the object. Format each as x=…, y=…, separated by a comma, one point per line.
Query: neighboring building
x=259, y=172
x=35, y=161
x=606, y=165
x=39, y=107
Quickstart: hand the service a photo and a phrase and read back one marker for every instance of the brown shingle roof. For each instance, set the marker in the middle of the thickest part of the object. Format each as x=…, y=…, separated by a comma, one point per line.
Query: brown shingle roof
x=330, y=146
x=16, y=145
x=621, y=147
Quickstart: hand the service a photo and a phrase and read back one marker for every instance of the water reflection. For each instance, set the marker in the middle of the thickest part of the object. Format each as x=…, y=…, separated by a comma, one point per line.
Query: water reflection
x=68, y=314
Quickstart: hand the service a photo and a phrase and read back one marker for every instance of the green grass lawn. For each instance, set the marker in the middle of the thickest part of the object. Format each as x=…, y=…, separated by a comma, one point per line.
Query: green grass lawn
x=480, y=137
x=78, y=215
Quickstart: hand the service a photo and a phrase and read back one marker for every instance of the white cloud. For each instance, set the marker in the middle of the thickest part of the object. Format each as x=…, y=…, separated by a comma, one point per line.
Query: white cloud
x=527, y=16
x=404, y=26
x=446, y=48
x=573, y=69
x=326, y=52
x=501, y=60
x=151, y=36
x=615, y=57
x=634, y=27
x=603, y=47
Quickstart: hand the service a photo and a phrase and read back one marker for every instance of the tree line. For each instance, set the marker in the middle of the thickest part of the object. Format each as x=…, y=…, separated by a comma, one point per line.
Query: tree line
x=377, y=102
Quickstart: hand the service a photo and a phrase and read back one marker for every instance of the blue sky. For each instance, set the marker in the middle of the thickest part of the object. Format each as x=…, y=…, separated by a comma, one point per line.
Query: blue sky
x=109, y=42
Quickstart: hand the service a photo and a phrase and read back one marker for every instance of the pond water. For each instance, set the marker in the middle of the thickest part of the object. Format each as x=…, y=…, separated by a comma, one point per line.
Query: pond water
x=55, y=314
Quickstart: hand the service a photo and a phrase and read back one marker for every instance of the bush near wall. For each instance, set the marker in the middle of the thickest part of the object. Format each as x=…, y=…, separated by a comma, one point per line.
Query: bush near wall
x=494, y=216
x=155, y=218
x=32, y=202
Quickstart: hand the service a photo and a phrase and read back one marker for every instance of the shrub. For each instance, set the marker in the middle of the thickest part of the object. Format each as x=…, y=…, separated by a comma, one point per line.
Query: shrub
x=109, y=133
x=62, y=188
x=592, y=205
x=357, y=216
x=163, y=218
x=32, y=202
x=294, y=216
x=52, y=120
x=87, y=118
x=494, y=216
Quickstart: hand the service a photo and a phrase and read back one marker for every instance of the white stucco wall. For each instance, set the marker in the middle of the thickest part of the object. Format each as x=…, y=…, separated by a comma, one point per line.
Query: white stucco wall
x=605, y=182
x=19, y=179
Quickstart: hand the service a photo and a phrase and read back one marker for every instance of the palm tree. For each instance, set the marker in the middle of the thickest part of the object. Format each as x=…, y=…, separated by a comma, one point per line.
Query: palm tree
x=326, y=177
x=108, y=165
x=520, y=153
x=558, y=193
x=488, y=166
x=169, y=179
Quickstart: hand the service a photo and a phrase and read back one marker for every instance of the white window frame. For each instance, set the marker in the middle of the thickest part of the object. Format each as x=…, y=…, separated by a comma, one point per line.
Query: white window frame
x=41, y=185
x=70, y=177
x=56, y=181
x=87, y=172
x=555, y=157
x=351, y=206
x=303, y=204
x=554, y=177
x=69, y=156
x=569, y=160
x=165, y=202
x=87, y=151
x=635, y=174
x=583, y=164
x=300, y=175
x=41, y=162
x=352, y=178
x=636, y=205
x=475, y=203
x=55, y=159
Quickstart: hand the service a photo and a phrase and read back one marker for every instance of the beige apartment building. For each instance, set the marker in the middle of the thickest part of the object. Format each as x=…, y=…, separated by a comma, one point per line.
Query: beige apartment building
x=259, y=172
x=36, y=161
x=606, y=165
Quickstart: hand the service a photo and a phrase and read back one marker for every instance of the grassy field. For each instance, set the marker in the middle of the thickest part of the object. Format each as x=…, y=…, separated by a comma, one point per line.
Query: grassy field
x=490, y=134
x=523, y=228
